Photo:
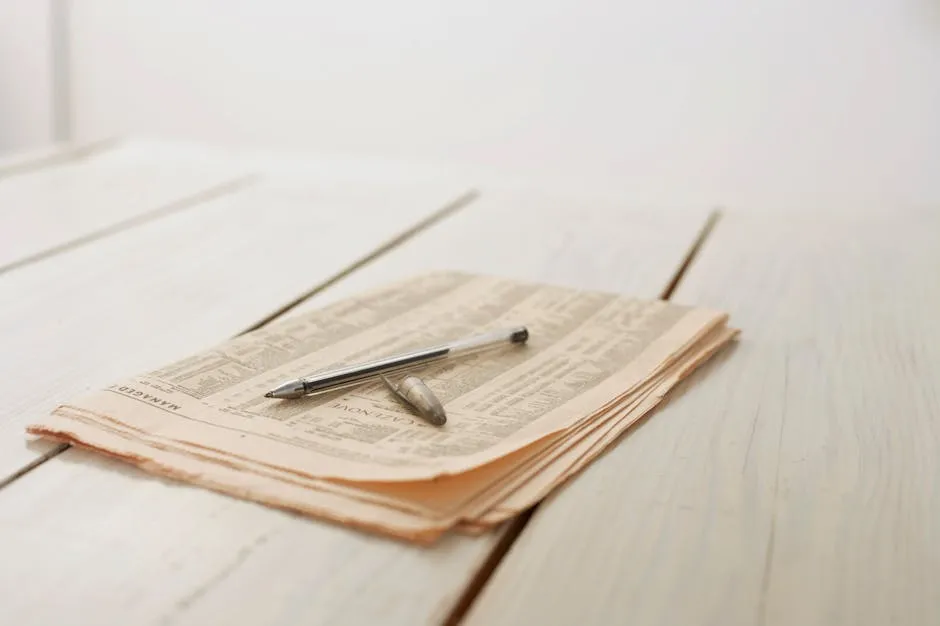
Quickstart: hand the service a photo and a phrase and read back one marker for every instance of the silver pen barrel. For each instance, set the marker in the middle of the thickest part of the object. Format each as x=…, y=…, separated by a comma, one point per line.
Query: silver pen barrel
x=371, y=369
x=518, y=334
x=351, y=374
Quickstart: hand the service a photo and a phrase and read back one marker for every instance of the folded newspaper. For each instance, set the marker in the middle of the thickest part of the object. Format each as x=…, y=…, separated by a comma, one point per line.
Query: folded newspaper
x=521, y=420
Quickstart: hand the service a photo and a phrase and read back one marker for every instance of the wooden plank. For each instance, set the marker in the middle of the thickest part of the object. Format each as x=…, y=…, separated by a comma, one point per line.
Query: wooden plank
x=46, y=210
x=165, y=553
x=156, y=293
x=587, y=242
x=794, y=479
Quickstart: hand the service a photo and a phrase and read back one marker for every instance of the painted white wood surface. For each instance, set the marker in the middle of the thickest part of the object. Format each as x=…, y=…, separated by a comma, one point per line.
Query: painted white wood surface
x=155, y=293
x=65, y=203
x=142, y=550
x=795, y=479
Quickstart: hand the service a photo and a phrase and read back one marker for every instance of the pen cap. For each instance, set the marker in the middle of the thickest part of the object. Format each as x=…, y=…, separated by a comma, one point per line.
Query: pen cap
x=515, y=334
x=414, y=391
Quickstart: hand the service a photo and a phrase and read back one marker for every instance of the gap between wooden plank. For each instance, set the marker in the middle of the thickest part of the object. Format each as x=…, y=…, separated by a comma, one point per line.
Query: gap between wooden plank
x=50, y=454
x=694, y=249
x=57, y=155
x=388, y=246
x=516, y=526
x=227, y=187
x=429, y=221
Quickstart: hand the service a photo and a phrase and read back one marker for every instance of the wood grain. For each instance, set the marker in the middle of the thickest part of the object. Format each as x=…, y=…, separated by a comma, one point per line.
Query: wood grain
x=46, y=210
x=794, y=479
x=156, y=293
x=141, y=550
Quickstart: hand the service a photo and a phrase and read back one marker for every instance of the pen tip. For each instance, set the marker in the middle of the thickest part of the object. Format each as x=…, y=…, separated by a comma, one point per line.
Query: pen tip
x=270, y=394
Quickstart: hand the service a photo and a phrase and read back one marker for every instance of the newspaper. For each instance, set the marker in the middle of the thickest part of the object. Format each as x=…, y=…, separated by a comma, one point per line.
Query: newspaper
x=521, y=419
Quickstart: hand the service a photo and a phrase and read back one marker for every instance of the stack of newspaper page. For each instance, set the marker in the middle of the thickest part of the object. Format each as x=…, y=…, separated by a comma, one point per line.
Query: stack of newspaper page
x=521, y=419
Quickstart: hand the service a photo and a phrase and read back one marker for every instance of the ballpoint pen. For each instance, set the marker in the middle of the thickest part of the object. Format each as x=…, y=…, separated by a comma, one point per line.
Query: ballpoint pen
x=344, y=376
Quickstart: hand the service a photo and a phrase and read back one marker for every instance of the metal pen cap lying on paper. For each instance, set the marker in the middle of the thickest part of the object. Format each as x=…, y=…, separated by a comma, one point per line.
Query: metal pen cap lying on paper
x=344, y=376
x=413, y=392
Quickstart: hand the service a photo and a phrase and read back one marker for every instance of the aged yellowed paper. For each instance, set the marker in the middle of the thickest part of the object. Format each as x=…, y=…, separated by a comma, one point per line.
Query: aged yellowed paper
x=521, y=419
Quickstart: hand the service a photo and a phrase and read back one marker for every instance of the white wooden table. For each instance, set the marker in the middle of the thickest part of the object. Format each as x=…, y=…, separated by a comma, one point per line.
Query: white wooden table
x=794, y=480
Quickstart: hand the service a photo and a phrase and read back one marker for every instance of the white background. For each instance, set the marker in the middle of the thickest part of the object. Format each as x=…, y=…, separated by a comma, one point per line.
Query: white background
x=25, y=75
x=829, y=103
